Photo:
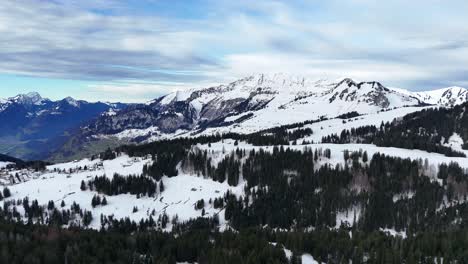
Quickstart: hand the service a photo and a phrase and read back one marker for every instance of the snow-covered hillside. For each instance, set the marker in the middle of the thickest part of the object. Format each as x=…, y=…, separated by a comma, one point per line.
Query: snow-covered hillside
x=61, y=182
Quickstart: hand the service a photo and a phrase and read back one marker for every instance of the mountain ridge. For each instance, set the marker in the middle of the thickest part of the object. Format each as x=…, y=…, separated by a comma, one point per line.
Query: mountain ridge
x=31, y=125
x=206, y=107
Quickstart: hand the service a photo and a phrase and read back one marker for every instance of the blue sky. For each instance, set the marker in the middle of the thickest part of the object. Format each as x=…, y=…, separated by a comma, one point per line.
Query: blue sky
x=137, y=50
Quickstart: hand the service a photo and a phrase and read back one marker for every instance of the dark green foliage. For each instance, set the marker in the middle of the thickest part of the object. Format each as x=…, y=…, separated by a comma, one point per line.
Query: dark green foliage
x=108, y=155
x=348, y=115
x=19, y=164
x=96, y=201
x=83, y=186
x=200, y=204
x=428, y=130
x=136, y=185
x=6, y=192
x=35, y=244
x=25, y=243
x=228, y=169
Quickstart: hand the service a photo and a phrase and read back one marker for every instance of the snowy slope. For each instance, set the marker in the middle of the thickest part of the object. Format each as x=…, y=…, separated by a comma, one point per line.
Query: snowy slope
x=220, y=149
x=320, y=129
x=62, y=182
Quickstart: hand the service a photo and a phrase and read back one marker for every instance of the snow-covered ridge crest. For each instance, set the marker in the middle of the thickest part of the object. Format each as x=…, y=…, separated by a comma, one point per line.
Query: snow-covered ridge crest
x=31, y=98
x=284, y=83
x=286, y=88
x=449, y=96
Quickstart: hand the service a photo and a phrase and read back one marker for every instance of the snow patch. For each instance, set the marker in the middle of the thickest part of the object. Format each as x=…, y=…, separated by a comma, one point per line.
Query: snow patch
x=308, y=259
x=455, y=142
x=393, y=232
x=4, y=164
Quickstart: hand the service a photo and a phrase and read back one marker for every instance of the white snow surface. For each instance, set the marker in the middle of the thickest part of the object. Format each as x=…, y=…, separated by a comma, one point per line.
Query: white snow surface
x=348, y=217
x=4, y=164
x=335, y=126
x=449, y=96
x=455, y=142
x=122, y=165
x=393, y=232
x=178, y=198
x=72, y=101
x=308, y=259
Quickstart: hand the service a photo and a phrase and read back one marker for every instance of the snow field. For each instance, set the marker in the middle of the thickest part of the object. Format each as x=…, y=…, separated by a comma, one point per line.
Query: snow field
x=179, y=197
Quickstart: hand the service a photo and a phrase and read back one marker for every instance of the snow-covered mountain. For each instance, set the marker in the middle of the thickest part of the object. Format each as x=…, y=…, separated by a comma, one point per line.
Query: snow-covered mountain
x=36, y=104
x=449, y=96
x=258, y=102
x=28, y=121
x=29, y=99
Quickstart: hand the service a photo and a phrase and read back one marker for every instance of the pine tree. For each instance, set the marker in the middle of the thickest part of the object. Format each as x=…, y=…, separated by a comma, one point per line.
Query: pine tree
x=6, y=192
x=95, y=201
x=161, y=187
x=83, y=186
x=365, y=158
x=50, y=205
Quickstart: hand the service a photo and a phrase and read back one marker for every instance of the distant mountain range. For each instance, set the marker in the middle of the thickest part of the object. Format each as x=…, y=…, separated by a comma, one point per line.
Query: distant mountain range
x=32, y=126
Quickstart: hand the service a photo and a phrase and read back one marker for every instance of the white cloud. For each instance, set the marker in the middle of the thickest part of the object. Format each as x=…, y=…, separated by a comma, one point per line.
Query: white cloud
x=137, y=92
x=417, y=44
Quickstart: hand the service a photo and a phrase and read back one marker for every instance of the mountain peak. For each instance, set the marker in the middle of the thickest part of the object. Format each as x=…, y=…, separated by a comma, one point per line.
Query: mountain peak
x=448, y=96
x=348, y=81
x=72, y=101
x=33, y=95
x=31, y=98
